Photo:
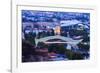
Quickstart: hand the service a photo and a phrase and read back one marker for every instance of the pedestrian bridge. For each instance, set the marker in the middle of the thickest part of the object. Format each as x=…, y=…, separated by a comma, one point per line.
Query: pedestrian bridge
x=67, y=40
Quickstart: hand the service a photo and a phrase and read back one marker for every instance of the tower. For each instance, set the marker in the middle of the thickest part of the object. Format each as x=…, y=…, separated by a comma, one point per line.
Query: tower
x=57, y=30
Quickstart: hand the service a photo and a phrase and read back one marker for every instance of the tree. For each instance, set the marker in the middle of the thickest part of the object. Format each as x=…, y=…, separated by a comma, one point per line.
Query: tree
x=73, y=55
x=60, y=49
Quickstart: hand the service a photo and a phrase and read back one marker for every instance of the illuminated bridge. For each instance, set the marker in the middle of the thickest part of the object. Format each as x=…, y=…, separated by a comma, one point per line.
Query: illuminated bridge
x=67, y=40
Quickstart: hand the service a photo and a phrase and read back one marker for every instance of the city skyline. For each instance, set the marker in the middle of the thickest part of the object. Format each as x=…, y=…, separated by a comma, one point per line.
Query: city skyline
x=55, y=36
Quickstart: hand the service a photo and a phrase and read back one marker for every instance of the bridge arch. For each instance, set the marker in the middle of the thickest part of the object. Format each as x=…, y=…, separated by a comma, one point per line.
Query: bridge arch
x=67, y=39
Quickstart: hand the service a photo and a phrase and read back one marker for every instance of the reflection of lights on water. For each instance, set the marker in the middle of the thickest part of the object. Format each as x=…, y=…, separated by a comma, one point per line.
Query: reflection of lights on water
x=57, y=58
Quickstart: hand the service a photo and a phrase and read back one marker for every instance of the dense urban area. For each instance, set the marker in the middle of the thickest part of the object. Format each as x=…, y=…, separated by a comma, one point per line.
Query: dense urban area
x=55, y=36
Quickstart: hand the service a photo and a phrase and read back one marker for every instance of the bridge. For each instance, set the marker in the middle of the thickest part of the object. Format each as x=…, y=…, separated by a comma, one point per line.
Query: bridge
x=67, y=40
